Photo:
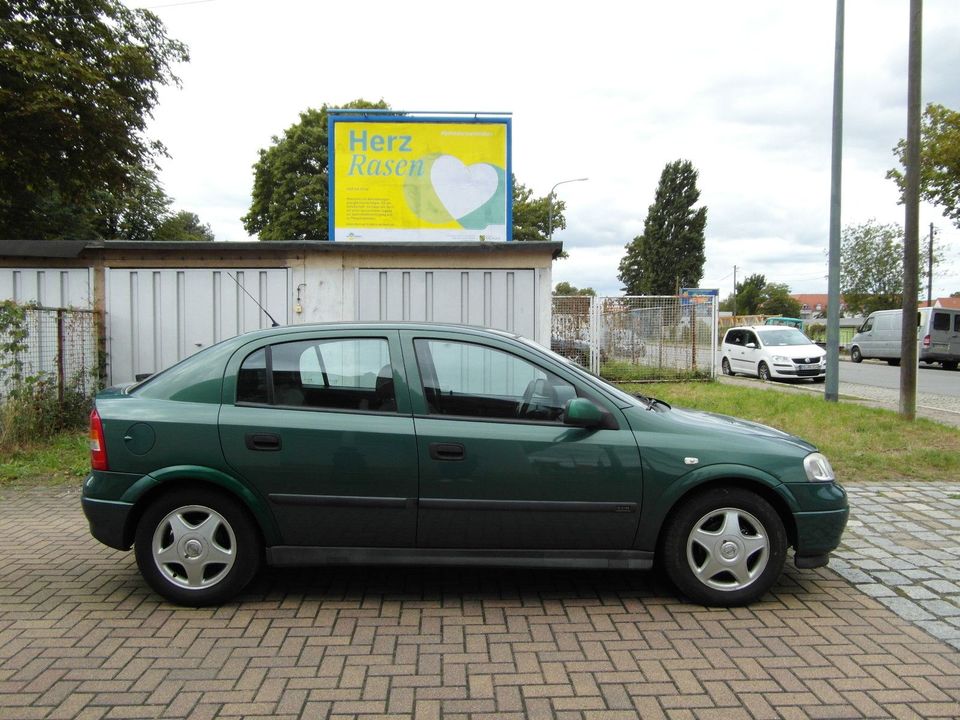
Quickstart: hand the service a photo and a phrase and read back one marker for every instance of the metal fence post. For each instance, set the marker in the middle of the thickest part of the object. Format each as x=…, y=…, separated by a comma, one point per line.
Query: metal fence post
x=60, y=369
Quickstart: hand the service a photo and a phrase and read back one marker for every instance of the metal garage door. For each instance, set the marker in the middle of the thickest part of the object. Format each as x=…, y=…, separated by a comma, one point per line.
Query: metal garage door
x=157, y=317
x=501, y=299
x=49, y=287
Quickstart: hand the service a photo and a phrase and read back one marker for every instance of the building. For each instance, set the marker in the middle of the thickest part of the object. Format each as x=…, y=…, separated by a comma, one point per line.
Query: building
x=162, y=301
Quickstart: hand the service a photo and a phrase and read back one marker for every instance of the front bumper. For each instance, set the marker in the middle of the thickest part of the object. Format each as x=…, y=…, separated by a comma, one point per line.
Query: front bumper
x=787, y=371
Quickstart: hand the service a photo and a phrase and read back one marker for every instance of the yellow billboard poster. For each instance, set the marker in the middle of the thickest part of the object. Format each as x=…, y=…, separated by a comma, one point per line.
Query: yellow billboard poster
x=403, y=178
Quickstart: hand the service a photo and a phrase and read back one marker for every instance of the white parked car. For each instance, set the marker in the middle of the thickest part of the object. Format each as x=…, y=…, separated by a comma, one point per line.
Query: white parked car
x=772, y=352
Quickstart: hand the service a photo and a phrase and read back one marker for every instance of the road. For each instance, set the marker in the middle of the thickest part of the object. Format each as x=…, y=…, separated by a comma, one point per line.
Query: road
x=931, y=379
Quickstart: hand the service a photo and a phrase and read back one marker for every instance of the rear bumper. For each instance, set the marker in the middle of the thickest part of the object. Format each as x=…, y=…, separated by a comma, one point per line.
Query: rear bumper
x=108, y=521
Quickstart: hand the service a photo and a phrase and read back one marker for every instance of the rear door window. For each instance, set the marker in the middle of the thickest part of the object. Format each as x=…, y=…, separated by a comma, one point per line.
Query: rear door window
x=941, y=321
x=336, y=374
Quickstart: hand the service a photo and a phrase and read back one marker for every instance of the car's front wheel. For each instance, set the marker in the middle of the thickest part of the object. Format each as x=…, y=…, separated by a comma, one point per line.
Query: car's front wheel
x=197, y=546
x=855, y=354
x=725, y=546
x=763, y=372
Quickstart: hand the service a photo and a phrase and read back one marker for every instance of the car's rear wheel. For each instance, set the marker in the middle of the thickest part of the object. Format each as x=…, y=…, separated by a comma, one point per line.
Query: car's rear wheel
x=725, y=546
x=763, y=372
x=895, y=362
x=725, y=366
x=949, y=364
x=855, y=355
x=197, y=546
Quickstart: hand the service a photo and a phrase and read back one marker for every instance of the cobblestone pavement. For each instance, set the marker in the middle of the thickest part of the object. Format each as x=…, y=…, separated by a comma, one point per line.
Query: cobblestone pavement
x=902, y=546
x=81, y=637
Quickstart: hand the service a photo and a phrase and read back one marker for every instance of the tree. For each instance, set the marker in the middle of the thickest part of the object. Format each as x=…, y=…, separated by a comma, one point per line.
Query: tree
x=78, y=83
x=750, y=294
x=669, y=255
x=871, y=266
x=184, y=226
x=566, y=289
x=531, y=216
x=290, y=180
x=776, y=300
x=939, y=160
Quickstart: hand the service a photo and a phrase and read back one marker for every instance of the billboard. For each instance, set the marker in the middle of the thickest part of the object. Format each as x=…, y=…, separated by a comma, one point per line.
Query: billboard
x=402, y=178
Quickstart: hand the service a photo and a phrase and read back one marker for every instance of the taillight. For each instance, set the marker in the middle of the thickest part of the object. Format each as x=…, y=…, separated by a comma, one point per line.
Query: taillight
x=98, y=448
x=926, y=341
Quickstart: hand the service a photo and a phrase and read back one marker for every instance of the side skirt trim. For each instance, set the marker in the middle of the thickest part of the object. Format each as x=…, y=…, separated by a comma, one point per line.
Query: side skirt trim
x=296, y=556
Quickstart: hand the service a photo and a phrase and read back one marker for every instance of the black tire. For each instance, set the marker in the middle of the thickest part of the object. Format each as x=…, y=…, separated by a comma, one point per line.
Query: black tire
x=209, y=523
x=763, y=372
x=894, y=362
x=759, y=541
x=949, y=364
x=855, y=355
x=725, y=367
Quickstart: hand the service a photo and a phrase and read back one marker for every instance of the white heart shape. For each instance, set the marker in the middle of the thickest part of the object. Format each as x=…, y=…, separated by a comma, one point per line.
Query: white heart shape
x=462, y=189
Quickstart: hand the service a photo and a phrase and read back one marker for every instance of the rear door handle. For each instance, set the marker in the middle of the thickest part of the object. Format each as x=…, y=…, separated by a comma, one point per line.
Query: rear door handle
x=264, y=442
x=447, y=451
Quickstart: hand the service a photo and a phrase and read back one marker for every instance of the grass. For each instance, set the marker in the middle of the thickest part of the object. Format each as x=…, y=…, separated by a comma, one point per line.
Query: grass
x=61, y=460
x=863, y=444
x=621, y=371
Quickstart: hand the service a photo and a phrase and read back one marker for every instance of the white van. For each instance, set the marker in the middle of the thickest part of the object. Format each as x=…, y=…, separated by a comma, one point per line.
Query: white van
x=938, y=337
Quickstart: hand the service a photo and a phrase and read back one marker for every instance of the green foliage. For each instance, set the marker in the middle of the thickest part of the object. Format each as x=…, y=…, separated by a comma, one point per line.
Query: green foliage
x=531, y=215
x=871, y=266
x=670, y=253
x=776, y=300
x=289, y=197
x=565, y=288
x=939, y=160
x=56, y=460
x=78, y=82
x=183, y=226
x=750, y=294
x=30, y=405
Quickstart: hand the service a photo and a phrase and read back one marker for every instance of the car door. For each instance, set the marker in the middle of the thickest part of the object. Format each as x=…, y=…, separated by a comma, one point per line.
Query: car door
x=498, y=468
x=734, y=348
x=955, y=336
x=751, y=355
x=321, y=426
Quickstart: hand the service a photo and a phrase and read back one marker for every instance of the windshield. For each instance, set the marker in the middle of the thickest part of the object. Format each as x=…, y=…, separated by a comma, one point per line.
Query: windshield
x=620, y=395
x=783, y=336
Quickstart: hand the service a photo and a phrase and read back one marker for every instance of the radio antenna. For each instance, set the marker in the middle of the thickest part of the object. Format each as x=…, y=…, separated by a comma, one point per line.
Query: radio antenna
x=275, y=323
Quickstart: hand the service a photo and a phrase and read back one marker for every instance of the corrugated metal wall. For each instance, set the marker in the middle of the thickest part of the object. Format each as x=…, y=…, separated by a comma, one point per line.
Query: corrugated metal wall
x=501, y=299
x=49, y=287
x=158, y=317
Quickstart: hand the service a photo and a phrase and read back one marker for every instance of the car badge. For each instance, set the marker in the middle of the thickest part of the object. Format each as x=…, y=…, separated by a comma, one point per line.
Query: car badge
x=691, y=461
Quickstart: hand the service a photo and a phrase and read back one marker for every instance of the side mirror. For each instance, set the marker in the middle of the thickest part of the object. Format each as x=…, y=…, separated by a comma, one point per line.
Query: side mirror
x=752, y=345
x=580, y=412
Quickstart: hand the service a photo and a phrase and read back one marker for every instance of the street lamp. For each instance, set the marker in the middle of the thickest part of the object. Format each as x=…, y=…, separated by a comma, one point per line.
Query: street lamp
x=550, y=205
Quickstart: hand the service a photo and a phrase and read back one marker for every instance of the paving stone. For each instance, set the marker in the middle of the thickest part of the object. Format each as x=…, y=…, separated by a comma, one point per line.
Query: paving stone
x=82, y=636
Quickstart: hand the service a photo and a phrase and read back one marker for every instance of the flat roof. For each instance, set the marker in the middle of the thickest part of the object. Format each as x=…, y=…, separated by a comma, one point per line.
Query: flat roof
x=74, y=248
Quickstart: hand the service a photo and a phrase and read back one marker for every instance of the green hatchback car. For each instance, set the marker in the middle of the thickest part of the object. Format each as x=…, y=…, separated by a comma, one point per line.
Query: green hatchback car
x=443, y=445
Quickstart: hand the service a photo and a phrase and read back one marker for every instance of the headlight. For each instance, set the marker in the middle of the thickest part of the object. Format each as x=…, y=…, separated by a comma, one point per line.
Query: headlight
x=781, y=359
x=818, y=468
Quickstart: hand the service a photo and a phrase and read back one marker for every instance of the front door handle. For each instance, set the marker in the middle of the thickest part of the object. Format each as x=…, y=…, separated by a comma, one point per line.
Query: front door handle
x=264, y=442
x=447, y=451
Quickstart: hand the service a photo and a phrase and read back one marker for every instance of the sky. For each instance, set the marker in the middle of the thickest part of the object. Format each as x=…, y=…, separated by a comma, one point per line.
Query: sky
x=610, y=91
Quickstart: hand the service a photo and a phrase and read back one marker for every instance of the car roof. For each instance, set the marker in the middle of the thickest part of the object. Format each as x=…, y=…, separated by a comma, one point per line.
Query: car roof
x=367, y=325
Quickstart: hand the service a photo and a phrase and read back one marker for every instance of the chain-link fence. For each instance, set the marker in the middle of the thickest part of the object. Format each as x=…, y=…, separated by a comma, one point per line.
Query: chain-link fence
x=638, y=338
x=56, y=344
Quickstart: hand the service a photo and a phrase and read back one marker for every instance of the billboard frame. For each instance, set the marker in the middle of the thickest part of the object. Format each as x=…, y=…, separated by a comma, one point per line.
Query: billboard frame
x=335, y=115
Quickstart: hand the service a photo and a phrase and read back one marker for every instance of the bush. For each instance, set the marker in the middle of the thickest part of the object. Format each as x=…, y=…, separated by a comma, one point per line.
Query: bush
x=31, y=406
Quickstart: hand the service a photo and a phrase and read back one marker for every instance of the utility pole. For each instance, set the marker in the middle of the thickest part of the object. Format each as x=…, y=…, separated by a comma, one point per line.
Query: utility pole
x=911, y=224
x=930, y=270
x=831, y=390
x=734, y=290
